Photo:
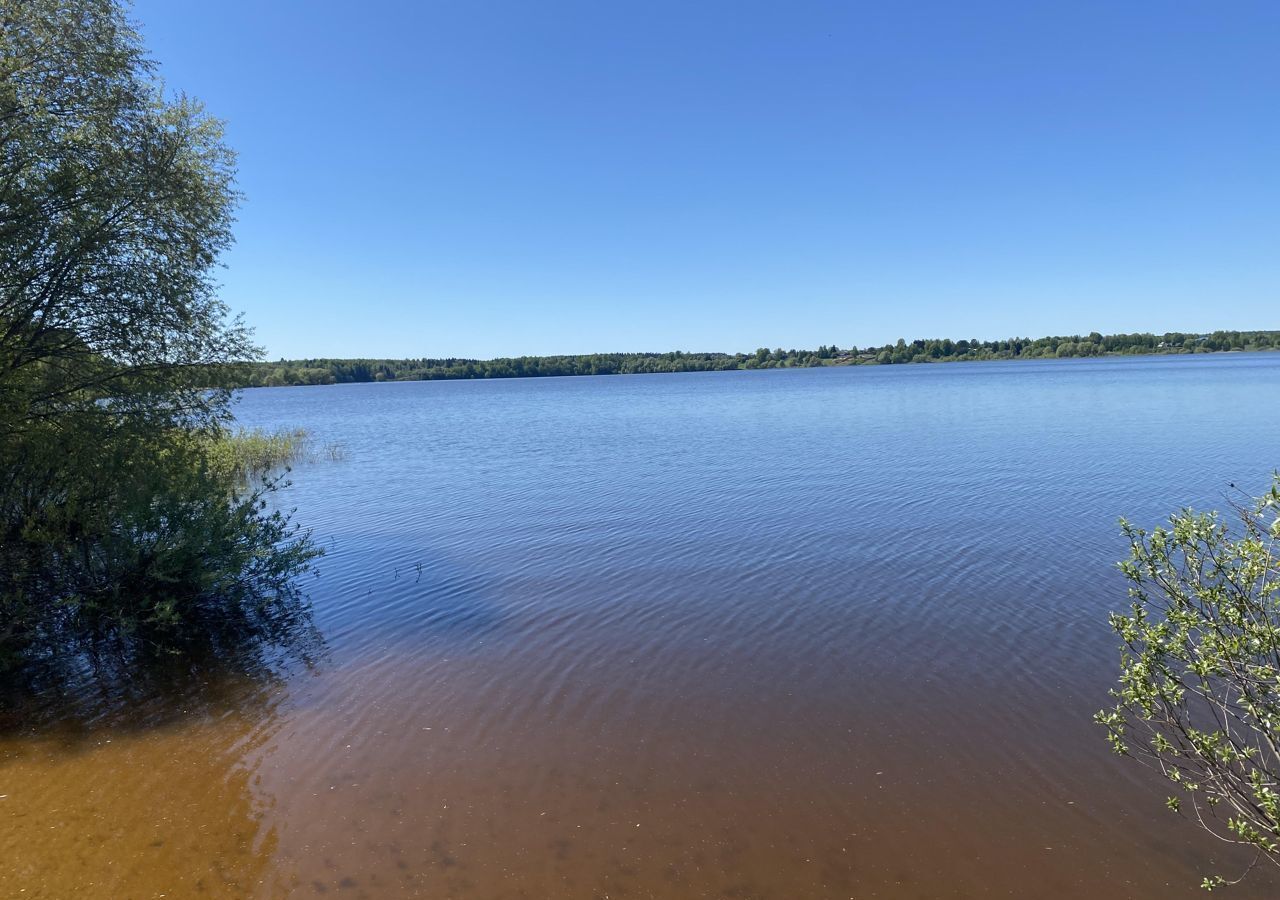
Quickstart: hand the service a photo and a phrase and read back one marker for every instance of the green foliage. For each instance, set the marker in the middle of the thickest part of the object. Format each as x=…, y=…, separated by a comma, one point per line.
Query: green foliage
x=245, y=455
x=341, y=371
x=1199, y=692
x=142, y=534
x=124, y=513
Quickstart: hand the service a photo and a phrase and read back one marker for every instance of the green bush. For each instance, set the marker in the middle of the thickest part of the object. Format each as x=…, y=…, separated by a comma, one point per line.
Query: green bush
x=1199, y=693
x=138, y=535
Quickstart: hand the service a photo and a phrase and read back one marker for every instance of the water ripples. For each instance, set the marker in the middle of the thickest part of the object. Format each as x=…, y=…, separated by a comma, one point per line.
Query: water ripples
x=794, y=633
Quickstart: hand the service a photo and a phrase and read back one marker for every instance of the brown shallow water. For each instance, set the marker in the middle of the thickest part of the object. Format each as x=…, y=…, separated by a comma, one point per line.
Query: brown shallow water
x=663, y=643
x=298, y=792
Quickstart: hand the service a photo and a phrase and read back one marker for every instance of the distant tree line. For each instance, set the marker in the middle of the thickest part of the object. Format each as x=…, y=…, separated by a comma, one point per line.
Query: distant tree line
x=342, y=371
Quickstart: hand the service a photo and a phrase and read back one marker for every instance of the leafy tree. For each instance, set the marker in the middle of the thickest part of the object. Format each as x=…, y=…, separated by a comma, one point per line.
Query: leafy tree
x=116, y=355
x=1199, y=693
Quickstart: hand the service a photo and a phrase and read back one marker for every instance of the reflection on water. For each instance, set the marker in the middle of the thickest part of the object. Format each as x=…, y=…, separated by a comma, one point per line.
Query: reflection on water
x=832, y=633
x=126, y=808
x=132, y=774
x=122, y=813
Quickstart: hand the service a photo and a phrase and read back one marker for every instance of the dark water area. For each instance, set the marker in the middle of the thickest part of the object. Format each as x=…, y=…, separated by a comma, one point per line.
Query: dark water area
x=813, y=633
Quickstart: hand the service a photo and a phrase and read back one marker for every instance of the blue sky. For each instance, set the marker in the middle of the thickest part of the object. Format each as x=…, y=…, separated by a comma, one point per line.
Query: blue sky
x=480, y=178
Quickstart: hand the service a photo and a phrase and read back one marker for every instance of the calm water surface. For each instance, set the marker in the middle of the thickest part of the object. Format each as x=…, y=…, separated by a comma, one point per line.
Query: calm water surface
x=817, y=633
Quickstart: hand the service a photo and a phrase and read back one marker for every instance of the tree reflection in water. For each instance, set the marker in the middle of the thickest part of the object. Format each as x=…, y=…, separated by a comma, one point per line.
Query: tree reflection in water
x=129, y=772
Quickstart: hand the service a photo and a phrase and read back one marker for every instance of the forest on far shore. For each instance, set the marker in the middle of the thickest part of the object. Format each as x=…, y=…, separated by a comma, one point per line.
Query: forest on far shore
x=342, y=371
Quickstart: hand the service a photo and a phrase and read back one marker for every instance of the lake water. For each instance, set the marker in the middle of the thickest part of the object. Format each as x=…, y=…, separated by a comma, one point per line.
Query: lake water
x=814, y=633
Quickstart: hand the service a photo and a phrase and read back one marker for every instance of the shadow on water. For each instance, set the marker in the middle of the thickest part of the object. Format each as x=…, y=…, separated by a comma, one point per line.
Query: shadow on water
x=411, y=597
x=72, y=692
x=131, y=771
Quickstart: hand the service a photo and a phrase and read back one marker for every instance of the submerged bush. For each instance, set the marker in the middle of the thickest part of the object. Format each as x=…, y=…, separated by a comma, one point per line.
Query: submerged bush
x=127, y=510
x=1199, y=694
x=141, y=535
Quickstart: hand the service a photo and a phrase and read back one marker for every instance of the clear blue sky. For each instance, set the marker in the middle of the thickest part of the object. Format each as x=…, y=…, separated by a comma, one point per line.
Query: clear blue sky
x=492, y=178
